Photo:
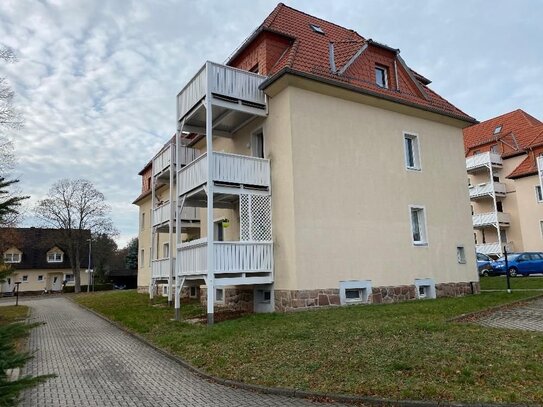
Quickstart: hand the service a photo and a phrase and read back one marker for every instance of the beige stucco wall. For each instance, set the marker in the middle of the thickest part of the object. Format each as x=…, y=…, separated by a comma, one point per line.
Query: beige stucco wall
x=530, y=213
x=33, y=284
x=352, y=194
x=144, y=242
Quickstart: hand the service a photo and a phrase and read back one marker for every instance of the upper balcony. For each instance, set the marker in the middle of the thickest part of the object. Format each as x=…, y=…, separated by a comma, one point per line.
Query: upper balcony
x=160, y=269
x=481, y=220
x=493, y=249
x=487, y=190
x=229, y=169
x=235, y=94
x=484, y=160
x=162, y=214
x=163, y=160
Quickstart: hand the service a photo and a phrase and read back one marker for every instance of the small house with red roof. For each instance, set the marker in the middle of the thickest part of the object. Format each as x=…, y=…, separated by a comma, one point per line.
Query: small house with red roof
x=504, y=185
x=327, y=172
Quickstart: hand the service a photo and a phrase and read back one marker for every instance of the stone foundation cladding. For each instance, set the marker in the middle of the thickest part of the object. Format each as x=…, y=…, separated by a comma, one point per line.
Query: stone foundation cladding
x=288, y=300
x=235, y=299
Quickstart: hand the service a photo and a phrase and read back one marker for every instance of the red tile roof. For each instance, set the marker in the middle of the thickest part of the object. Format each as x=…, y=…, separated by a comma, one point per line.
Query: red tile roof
x=520, y=133
x=309, y=54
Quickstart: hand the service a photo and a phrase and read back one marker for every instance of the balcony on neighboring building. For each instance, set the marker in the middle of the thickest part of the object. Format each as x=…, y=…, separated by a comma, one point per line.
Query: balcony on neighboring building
x=493, y=249
x=163, y=160
x=485, y=160
x=487, y=190
x=481, y=220
x=160, y=268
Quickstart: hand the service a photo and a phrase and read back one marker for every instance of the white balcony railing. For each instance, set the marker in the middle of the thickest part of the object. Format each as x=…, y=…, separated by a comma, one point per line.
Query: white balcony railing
x=228, y=168
x=493, y=248
x=486, y=189
x=162, y=160
x=490, y=218
x=229, y=257
x=161, y=268
x=483, y=160
x=225, y=81
x=162, y=214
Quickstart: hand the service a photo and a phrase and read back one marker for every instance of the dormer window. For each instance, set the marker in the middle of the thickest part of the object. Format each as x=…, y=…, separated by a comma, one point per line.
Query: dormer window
x=381, y=76
x=317, y=29
x=12, y=256
x=498, y=129
x=55, y=256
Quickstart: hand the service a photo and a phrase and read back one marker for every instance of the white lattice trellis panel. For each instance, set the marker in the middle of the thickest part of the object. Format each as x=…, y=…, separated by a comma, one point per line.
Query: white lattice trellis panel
x=255, y=217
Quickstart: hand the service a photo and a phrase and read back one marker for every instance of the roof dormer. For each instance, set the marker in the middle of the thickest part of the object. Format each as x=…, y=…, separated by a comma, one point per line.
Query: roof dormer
x=13, y=255
x=55, y=255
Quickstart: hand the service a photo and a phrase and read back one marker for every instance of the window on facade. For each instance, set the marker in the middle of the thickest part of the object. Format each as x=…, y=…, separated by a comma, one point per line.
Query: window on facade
x=142, y=226
x=142, y=257
x=475, y=234
x=257, y=144
x=219, y=295
x=499, y=206
x=40, y=277
x=69, y=277
x=538, y=195
x=381, y=76
x=264, y=296
x=12, y=257
x=541, y=227
x=25, y=279
x=496, y=178
x=54, y=257
x=423, y=291
x=166, y=250
x=503, y=236
x=418, y=226
x=412, y=158
x=193, y=292
x=354, y=294
x=461, y=254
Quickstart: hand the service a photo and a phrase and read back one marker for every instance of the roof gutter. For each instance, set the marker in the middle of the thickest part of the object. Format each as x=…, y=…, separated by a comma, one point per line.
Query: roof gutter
x=352, y=88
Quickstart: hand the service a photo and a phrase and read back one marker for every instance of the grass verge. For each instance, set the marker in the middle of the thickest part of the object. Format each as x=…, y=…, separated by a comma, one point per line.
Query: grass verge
x=398, y=351
x=520, y=283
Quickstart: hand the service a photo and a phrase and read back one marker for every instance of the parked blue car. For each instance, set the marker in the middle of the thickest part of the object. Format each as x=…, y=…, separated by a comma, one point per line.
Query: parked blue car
x=522, y=264
x=484, y=264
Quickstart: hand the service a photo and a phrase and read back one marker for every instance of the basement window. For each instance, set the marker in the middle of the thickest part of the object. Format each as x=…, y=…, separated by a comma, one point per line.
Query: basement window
x=425, y=288
x=354, y=292
x=316, y=29
x=193, y=292
x=219, y=295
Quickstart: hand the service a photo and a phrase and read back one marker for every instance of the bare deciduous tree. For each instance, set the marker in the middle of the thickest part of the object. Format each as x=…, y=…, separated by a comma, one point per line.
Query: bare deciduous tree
x=9, y=116
x=77, y=208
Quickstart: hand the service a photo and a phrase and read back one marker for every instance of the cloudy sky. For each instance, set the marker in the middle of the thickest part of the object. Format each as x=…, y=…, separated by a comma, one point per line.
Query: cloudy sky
x=96, y=80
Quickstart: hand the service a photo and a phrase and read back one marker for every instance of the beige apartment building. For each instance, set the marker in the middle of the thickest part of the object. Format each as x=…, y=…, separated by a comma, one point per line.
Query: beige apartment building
x=318, y=177
x=504, y=183
x=40, y=260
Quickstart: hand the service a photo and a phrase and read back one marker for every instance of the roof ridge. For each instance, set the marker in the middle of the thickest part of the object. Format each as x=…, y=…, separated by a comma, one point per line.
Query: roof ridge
x=321, y=19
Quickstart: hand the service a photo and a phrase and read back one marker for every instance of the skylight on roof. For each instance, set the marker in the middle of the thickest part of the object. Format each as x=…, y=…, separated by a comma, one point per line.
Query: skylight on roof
x=316, y=28
x=497, y=129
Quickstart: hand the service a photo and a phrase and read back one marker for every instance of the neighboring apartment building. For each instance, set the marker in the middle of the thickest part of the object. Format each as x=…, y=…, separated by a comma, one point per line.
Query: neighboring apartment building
x=336, y=175
x=504, y=185
x=40, y=260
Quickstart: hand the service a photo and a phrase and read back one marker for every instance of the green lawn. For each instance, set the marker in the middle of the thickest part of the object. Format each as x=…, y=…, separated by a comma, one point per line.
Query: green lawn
x=12, y=313
x=500, y=283
x=399, y=351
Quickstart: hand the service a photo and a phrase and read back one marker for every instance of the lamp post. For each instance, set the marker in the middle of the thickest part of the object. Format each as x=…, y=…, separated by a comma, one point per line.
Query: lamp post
x=89, y=266
x=507, y=273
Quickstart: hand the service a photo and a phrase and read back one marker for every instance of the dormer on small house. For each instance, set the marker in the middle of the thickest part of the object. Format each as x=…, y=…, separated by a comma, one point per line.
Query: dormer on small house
x=13, y=255
x=55, y=255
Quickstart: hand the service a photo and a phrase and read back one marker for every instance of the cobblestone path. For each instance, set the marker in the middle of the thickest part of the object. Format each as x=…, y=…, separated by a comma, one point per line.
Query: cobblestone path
x=99, y=365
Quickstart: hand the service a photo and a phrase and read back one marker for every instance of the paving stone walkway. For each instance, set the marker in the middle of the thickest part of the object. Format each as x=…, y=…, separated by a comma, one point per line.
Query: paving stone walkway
x=99, y=365
x=528, y=317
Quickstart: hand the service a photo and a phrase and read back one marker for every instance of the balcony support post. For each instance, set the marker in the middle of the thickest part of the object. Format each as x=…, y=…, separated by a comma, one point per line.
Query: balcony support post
x=170, y=226
x=178, y=203
x=210, y=232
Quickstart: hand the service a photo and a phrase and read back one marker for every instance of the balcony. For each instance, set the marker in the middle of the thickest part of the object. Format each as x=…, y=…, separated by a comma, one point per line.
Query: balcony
x=491, y=219
x=484, y=160
x=162, y=161
x=227, y=83
x=235, y=262
x=160, y=269
x=161, y=215
x=487, y=190
x=493, y=249
x=229, y=169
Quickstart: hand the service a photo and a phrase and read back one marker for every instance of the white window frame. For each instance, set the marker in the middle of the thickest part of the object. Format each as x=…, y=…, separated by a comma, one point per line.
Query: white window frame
x=538, y=194
x=541, y=227
x=9, y=258
x=422, y=230
x=417, y=166
x=363, y=287
x=254, y=134
x=217, y=300
x=461, y=254
x=24, y=278
x=56, y=258
x=429, y=287
x=142, y=259
x=166, y=250
x=69, y=278
x=385, y=75
x=40, y=277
